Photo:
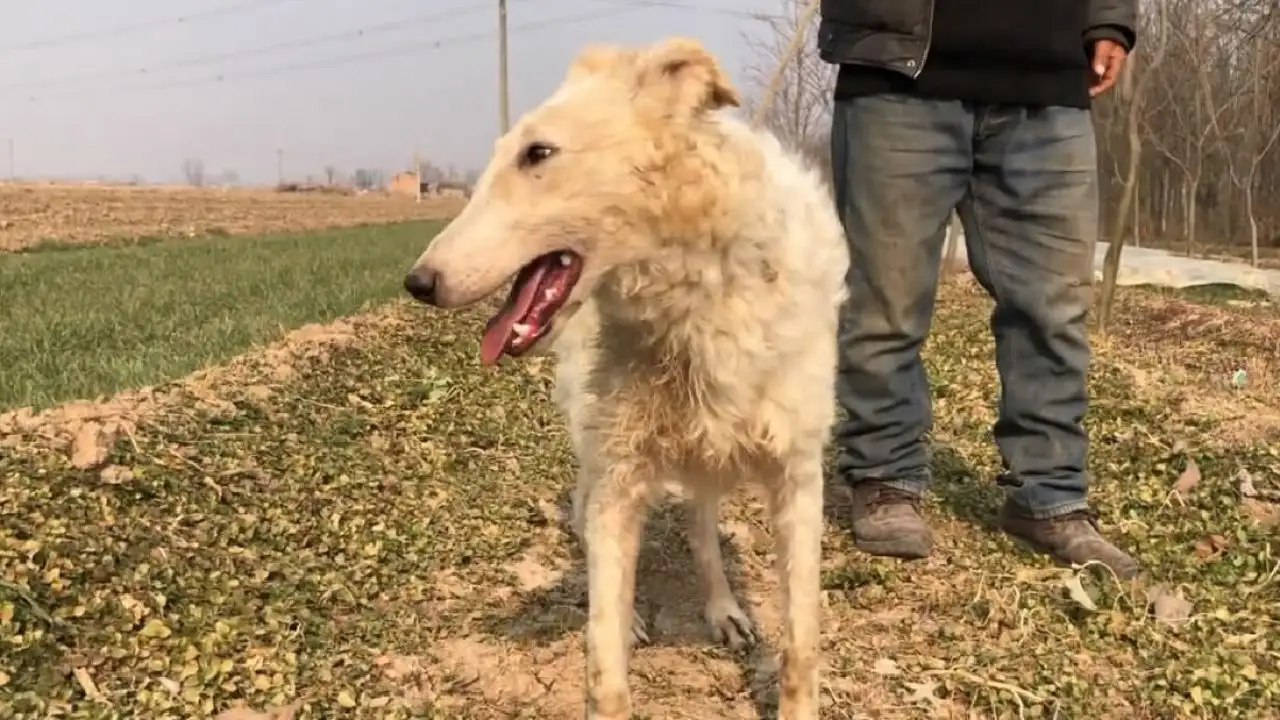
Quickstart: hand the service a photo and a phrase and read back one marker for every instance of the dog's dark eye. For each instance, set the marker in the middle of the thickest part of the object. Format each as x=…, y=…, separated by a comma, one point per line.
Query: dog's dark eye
x=535, y=153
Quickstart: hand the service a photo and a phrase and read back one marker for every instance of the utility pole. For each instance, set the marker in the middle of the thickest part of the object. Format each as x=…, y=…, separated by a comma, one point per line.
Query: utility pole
x=417, y=174
x=504, y=111
x=280, y=166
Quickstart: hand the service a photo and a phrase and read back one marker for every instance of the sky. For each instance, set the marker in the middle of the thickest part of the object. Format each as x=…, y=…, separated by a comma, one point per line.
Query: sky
x=118, y=90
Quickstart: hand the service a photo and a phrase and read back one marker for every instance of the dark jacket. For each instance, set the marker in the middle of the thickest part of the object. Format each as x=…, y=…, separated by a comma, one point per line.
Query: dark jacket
x=896, y=34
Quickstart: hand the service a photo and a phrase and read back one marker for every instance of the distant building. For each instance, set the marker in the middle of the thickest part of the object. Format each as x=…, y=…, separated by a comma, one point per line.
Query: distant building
x=407, y=183
x=410, y=183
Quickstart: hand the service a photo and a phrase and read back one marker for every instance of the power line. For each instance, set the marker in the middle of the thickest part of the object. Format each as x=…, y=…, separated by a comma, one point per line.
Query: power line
x=201, y=60
x=416, y=47
x=131, y=28
x=745, y=14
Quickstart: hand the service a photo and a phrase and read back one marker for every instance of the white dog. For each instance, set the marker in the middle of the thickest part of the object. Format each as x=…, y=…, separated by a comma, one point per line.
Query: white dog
x=688, y=272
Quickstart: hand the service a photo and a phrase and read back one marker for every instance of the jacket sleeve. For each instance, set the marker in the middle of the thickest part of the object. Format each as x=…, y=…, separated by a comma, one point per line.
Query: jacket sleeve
x=1112, y=20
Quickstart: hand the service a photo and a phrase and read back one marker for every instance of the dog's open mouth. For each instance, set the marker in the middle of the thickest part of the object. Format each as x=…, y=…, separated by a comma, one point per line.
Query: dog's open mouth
x=540, y=290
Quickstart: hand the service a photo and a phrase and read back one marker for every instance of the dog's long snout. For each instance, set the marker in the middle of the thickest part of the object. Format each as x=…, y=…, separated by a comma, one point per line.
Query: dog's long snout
x=422, y=283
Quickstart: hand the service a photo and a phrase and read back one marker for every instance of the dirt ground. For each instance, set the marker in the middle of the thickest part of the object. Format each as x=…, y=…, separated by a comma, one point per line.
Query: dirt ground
x=31, y=214
x=361, y=522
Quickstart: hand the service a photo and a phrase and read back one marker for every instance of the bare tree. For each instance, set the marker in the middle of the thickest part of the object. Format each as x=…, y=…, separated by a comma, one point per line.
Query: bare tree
x=800, y=113
x=366, y=179
x=430, y=173
x=1253, y=140
x=193, y=171
x=330, y=174
x=1208, y=179
x=1190, y=105
x=1132, y=92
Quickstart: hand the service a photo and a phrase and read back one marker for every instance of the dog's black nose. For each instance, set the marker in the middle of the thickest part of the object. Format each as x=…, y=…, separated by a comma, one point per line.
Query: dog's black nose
x=421, y=284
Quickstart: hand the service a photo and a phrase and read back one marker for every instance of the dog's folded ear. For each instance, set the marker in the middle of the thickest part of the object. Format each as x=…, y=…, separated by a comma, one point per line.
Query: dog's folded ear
x=683, y=76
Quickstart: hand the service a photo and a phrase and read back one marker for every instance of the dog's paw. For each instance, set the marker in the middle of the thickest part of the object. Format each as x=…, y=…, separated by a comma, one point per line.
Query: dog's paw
x=730, y=625
x=639, y=630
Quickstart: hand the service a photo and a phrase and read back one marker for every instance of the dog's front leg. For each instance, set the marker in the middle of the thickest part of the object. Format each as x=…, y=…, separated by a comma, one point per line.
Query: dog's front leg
x=577, y=522
x=797, y=519
x=612, y=523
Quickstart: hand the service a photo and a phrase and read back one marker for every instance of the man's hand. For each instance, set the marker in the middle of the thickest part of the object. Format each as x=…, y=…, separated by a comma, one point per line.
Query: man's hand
x=1108, y=59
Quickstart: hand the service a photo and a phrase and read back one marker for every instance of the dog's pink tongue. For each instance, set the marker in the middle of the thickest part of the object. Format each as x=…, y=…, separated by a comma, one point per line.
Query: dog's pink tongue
x=498, y=331
x=494, y=340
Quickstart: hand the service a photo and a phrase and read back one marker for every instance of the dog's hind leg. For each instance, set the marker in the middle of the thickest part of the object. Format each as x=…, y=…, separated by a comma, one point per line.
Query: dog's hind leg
x=613, y=519
x=796, y=503
x=729, y=624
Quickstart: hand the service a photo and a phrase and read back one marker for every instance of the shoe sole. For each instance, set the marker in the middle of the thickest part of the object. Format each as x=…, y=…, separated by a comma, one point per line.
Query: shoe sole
x=903, y=550
x=1047, y=552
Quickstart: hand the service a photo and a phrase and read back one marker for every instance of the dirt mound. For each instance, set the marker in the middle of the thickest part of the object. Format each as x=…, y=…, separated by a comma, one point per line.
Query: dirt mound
x=87, y=429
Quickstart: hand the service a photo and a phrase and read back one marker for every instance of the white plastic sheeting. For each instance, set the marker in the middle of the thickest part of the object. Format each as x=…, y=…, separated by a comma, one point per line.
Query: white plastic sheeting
x=1150, y=266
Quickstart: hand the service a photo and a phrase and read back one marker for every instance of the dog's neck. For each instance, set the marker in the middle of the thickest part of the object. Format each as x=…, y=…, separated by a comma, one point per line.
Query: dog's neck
x=714, y=250
x=682, y=306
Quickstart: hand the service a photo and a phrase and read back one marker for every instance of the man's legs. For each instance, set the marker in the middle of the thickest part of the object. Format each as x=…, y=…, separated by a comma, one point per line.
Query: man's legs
x=900, y=166
x=1031, y=219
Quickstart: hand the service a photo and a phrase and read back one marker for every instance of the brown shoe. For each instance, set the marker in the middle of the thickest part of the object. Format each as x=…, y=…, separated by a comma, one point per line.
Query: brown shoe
x=1072, y=538
x=887, y=522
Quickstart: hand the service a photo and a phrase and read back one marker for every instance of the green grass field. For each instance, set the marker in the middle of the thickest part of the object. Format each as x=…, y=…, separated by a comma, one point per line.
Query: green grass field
x=77, y=322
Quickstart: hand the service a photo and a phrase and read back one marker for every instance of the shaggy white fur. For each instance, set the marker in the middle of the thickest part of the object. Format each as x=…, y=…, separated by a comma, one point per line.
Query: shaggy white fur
x=697, y=341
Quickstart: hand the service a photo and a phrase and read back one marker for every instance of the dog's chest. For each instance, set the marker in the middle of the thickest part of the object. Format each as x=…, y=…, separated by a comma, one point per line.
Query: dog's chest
x=679, y=418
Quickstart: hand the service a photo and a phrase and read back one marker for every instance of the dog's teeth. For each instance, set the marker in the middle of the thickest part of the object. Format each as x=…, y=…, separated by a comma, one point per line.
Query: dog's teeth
x=565, y=260
x=549, y=294
x=521, y=329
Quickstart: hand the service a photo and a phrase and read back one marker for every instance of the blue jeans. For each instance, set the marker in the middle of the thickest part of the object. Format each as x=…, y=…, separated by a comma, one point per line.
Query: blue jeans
x=1025, y=185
